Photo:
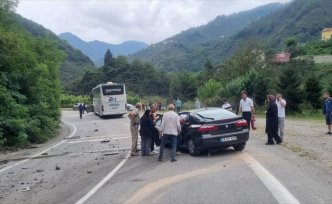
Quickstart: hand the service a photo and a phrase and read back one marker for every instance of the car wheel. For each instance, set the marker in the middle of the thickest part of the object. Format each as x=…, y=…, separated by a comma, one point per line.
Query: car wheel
x=239, y=147
x=192, y=147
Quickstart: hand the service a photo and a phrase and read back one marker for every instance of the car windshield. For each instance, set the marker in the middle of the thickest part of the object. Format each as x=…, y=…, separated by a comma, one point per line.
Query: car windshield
x=215, y=114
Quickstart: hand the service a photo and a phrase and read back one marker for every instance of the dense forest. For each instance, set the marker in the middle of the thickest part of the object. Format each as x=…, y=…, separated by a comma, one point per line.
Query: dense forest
x=300, y=19
x=34, y=63
x=29, y=82
x=251, y=68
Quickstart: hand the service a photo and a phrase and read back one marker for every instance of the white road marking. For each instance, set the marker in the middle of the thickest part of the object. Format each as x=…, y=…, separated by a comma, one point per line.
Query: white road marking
x=103, y=181
x=42, y=152
x=279, y=191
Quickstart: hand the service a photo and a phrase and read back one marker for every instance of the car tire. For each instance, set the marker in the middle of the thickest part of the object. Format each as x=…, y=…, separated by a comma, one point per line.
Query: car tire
x=192, y=147
x=239, y=147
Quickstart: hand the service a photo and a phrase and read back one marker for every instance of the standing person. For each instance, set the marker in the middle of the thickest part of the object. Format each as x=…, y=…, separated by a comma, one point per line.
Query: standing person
x=153, y=110
x=170, y=127
x=178, y=104
x=146, y=132
x=184, y=122
x=271, y=128
x=226, y=105
x=81, y=109
x=246, y=107
x=327, y=111
x=281, y=103
x=197, y=104
x=134, y=124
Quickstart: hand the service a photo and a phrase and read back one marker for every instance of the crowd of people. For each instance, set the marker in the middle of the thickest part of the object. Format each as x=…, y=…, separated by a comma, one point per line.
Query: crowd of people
x=172, y=123
x=170, y=128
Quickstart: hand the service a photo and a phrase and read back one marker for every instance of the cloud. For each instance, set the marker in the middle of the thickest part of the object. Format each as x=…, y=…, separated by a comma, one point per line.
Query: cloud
x=116, y=21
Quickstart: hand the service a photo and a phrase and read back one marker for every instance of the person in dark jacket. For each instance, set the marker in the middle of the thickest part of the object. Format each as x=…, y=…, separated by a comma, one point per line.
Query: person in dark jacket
x=81, y=109
x=271, y=128
x=327, y=111
x=146, y=132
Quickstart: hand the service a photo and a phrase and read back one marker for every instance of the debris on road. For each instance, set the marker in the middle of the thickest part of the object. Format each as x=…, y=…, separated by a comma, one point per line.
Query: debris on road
x=45, y=154
x=111, y=153
x=95, y=130
x=39, y=170
x=24, y=168
x=57, y=167
x=89, y=171
x=26, y=189
x=105, y=141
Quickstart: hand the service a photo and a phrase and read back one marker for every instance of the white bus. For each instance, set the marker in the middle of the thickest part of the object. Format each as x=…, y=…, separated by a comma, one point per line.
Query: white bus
x=109, y=99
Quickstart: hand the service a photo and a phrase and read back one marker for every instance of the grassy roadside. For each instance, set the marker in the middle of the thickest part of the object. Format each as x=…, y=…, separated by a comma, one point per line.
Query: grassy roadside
x=315, y=115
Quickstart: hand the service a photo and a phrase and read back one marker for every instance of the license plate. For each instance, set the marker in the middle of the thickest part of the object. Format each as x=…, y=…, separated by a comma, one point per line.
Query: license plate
x=227, y=139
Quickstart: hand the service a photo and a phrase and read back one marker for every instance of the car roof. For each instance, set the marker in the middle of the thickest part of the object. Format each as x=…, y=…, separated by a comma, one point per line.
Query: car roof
x=201, y=109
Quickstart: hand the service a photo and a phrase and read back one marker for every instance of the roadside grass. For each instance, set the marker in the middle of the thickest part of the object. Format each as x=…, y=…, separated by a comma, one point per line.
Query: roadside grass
x=313, y=115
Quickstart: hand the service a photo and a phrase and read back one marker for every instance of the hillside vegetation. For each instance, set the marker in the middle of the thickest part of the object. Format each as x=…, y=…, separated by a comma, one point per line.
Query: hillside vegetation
x=190, y=49
x=302, y=20
x=75, y=63
x=96, y=49
x=29, y=82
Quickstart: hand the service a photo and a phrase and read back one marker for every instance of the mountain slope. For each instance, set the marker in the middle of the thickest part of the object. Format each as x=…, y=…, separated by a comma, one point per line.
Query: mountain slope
x=186, y=51
x=75, y=64
x=97, y=49
x=300, y=19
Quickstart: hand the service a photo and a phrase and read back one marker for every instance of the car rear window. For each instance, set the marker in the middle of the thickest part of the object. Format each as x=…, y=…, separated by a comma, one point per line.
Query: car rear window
x=216, y=114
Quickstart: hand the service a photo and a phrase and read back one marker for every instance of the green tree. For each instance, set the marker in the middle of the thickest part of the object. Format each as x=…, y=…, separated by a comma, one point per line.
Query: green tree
x=8, y=5
x=312, y=91
x=207, y=93
x=183, y=86
x=257, y=86
x=108, y=59
x=249, y=56
x=290, y=85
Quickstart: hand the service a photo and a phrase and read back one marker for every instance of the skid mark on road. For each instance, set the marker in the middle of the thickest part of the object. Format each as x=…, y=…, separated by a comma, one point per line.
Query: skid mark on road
x=42, y=152
x=279, y=191
x=151, y=188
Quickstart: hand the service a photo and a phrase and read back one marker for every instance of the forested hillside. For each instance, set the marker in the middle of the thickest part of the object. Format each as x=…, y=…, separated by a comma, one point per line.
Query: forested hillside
x=190, y=49
x=75, y=64
x=96, y=49
x=29, y=82
x=301, y=20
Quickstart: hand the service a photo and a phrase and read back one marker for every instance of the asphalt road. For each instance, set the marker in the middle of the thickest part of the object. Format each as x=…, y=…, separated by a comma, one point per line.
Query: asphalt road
x=89, y=163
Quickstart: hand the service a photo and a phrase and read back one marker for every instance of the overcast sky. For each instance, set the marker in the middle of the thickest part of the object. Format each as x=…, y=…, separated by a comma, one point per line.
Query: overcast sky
x=115, y=21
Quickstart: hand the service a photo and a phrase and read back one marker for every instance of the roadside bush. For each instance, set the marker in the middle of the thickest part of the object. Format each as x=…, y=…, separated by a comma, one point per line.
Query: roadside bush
x=208, y=92
x=188, y=105
x=29, y=86
x=133, y=98
x=67, y=100
x=154, y=99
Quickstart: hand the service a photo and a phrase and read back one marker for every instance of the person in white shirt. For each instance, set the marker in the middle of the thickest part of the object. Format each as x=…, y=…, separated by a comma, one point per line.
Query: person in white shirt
x=281, y=103
x=170, y=128
x=226, y=105
x=246, y=107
